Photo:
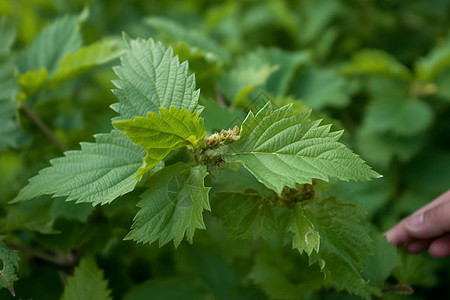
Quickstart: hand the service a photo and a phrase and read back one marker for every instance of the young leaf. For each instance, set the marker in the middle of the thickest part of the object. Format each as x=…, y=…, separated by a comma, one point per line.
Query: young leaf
x=435, y=62
x=161, y=133
x=172, y=206
x=10, y=261
x=378, y=63
x=246, y=215
x=306, y=237
x=281, y=148
x=344, y=243
x=150, y=76
x=87, y=283
x=98, y=173
x=52, y=44
x=85, y=58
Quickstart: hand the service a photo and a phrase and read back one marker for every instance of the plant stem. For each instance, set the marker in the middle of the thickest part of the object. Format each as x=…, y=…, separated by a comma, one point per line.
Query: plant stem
x=38, y=122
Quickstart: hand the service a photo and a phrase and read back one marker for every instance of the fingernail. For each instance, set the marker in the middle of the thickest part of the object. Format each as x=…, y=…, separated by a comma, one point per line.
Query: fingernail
x=415, y=221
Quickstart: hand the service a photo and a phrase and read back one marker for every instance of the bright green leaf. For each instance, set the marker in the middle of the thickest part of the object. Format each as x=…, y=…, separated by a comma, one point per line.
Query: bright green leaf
x=87, y=283
x=245, y=215
x=282, y=149
x=435, y=62
x=344, y=243
x=378, y=63
x=10, y=261
x=52, y=44
x=150, y=76
x=98, y=173
x=161, y=133
x=172, y=206
x=85, y=58
x=306, y=237
x=32, y=81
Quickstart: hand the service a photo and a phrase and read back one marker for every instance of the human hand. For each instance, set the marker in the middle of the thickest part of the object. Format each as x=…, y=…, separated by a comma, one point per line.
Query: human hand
x=428, y=227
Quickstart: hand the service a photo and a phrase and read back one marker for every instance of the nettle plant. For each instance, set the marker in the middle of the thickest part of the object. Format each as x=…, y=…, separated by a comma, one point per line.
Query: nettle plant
x=292, y=156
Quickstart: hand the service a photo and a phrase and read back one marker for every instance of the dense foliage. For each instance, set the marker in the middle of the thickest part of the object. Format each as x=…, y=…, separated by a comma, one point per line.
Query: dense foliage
x=219, y=143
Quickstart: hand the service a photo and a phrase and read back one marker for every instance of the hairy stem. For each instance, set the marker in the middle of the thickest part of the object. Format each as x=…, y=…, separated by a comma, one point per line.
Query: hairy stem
x=38, y=122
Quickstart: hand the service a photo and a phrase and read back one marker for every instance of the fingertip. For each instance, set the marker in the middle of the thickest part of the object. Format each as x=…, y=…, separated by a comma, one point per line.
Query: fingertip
x=440, y=247
x=396, y=236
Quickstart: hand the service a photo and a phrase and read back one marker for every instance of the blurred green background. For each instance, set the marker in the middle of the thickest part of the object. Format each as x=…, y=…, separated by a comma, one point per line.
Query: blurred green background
x=378, y=69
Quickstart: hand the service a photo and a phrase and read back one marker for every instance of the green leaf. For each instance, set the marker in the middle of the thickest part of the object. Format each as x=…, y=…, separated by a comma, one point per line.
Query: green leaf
x=245, y=215
x=377, y=63
x=306, y=237
x=285, y=63
x=10, y=261
x=84, y=59
x=438, y=60
x=319, y=88
x=247, y=75
x=52, y=44
x=161, y=133
x=150, y=76
x=7, y=35
x=344, y=243
x=281, y=148
x=31, y=82
x=195, y=40
x=10, y=130
x=98, y=173
x=172, y=206
x=399, y=116
x=87, y=283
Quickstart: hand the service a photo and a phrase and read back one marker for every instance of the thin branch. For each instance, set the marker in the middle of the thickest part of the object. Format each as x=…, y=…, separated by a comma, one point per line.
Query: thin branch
x=220, y=99
x=38, y=122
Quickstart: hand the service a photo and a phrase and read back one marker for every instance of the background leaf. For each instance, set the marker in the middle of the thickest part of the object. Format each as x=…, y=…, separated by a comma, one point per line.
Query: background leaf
x=87, y=282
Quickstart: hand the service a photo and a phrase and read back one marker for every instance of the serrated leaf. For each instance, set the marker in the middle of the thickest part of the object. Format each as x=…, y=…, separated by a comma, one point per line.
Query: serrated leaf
x=150, y=76
x=84, y=59
x=281, y=148
x=51, y=45
x=98, y=173
x=438, y=60
x=344, y=243
x=161, y=133
x=245, y=215
x=306, y=237
x=87, y=283
x=172, y=206
x=378, y=63
x=10, y=261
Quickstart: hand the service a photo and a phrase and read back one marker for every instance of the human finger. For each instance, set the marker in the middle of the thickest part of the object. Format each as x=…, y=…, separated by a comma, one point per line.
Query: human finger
x=440, y=247
x=430, y=223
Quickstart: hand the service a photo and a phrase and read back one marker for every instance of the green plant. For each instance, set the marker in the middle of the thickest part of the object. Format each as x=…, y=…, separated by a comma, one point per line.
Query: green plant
x=235, y=150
